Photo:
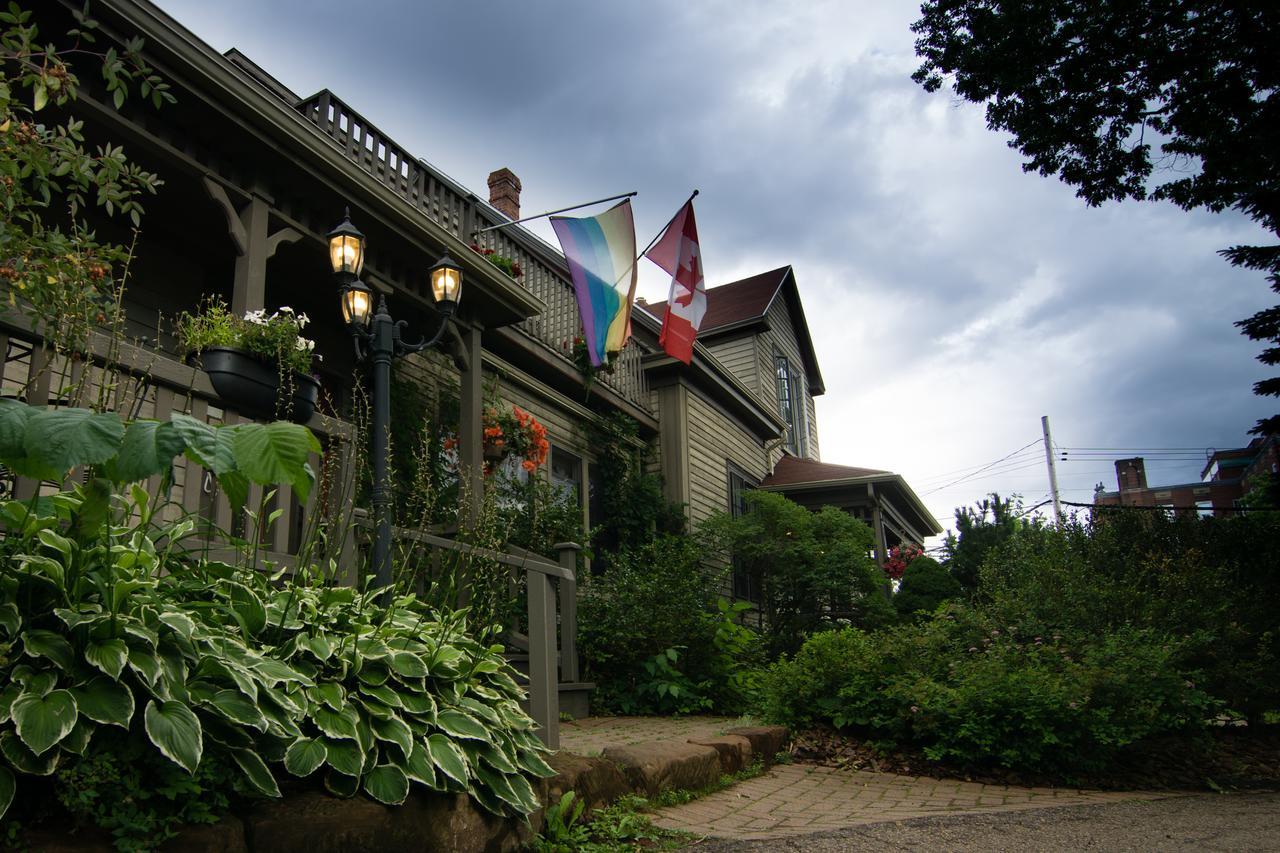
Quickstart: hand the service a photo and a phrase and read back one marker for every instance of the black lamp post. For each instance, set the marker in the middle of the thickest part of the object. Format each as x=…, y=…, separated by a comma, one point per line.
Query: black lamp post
x=377, y=337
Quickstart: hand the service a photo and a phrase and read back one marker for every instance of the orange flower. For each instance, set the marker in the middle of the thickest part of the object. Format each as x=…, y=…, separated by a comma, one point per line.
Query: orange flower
x=529, y=465
x=450, y=443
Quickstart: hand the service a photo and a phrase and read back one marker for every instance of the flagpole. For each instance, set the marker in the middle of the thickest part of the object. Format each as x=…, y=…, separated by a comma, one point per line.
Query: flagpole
x=661, y=231
x=560, y=210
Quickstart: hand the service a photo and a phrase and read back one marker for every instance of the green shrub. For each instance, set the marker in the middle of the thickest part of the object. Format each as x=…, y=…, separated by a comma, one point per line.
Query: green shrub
x=965, y=688
x=646, y=602
x=1212, y=581
x=813, y=570
x=924, y=586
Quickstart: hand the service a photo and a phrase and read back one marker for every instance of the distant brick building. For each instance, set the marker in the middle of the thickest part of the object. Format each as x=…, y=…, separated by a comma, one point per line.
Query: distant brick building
x=1227, y=477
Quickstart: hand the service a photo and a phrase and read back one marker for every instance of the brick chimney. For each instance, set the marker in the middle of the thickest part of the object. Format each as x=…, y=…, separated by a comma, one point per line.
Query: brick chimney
x=504, y=192
x=1131, y=474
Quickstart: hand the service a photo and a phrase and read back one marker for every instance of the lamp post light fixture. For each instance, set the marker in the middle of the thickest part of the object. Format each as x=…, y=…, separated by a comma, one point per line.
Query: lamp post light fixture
x=378, y=338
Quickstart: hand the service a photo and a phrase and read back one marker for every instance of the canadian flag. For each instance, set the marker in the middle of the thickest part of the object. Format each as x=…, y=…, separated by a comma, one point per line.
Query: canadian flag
x=677, y=253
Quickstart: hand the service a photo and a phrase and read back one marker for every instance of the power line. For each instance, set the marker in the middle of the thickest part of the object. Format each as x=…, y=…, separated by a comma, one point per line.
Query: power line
x=974, y=468
x=984, y=468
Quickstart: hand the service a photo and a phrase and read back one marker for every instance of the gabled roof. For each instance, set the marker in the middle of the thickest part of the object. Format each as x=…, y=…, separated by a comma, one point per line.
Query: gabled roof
x=746, y=302
x=791, y=470
x=793, y=475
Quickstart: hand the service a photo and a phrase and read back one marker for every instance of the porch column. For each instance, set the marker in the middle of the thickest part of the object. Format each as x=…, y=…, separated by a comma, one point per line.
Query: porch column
x=249, y=227
x=470, y=425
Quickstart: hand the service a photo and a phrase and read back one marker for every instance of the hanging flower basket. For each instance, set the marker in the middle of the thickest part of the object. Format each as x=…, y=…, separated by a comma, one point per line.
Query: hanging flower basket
x=251, y=385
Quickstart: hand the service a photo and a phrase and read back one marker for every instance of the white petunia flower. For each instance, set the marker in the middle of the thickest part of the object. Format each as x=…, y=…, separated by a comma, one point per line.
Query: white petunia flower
x=285, y=309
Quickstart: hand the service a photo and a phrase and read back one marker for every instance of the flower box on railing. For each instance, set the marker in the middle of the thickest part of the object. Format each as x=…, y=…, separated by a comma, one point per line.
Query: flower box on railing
x=253, y=386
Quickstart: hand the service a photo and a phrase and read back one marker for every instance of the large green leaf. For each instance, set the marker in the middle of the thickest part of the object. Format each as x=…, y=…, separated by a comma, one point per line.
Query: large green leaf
x=387, y=783
x=66, y=438
x=176, y=732
x=274, y=453
x=394, y=730
x=418, y=767
x=104, y=700
x=461, y=725
x=341, y=785
x=330, y=693
x=531, y=761
x=255, y=770
x=305, y=755
x=345, y=756
x=334, y=724
x=42, y=721
x=14, y=418
x=148, y=448
x=207, y=445
x=233, y=705
x=10, y=618
x=446, y=756
x=110, y=656
x=22, y=758
x=10, y=692
x=47, y=644
x=78, y=741
x=407, y=664
x=247, y=605
x=8, y=787
x=500, y=785
x=145, y=664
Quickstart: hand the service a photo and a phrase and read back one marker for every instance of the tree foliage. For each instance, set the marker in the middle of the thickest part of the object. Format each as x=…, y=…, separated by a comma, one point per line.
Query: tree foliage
x=1105, y=95
x=988, y=523
x=925, y=585
x=814, y=570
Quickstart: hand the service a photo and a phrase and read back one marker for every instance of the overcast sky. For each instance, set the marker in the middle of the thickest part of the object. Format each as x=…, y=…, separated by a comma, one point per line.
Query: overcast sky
x=953, y=299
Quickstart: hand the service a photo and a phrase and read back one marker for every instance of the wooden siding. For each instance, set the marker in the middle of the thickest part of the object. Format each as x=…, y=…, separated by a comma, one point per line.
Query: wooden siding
x=738, y=355
x=714, y=440
x=781, y=337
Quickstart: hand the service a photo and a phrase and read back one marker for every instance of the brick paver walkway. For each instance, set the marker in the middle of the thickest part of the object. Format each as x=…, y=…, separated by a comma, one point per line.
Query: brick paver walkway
x=796, y=799
x=590, y=735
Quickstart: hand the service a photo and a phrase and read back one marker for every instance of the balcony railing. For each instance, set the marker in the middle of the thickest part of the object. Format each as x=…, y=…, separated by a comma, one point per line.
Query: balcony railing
x=458, y=212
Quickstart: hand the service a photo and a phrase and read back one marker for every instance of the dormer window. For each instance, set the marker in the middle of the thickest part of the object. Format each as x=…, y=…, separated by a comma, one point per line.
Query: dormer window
x=789, y=404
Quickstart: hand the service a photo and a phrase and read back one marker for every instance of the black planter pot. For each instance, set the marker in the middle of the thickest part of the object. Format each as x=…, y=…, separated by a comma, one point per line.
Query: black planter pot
x=252, y=386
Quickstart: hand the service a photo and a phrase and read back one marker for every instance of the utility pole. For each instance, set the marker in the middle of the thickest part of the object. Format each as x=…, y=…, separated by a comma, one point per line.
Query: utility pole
x=1053, y=471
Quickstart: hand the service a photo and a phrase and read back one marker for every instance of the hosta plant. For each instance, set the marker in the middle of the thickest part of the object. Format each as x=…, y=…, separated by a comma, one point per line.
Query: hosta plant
x=111, y=618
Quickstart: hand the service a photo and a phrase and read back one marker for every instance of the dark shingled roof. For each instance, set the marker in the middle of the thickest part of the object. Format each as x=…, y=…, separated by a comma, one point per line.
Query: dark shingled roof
x=791, y=470
x=734, y=302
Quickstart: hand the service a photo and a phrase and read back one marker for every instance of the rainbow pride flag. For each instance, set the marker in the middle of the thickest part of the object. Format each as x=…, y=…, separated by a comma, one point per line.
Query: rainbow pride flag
x=601, y=251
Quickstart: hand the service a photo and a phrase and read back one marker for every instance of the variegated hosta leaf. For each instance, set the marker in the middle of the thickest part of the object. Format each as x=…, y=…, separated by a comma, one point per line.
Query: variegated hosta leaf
x=8, y=787
x=105, y=701
x=461, y=725
x=110, y=656
x=448, y=758
x=394, y=730
x=175, y=731
x=388, y=784
x=255, y=770
x=305, y=756
x=42, y=721
x=344, y=756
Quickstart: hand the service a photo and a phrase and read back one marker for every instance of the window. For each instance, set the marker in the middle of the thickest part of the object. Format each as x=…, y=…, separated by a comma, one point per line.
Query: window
x=566, y=472
x=744, y=586
x=791, y=403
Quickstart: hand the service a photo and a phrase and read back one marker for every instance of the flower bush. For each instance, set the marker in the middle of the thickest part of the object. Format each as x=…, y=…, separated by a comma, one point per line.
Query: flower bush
x=515, y=432
x=276, y=337
x=510, y=266
x=895, y=565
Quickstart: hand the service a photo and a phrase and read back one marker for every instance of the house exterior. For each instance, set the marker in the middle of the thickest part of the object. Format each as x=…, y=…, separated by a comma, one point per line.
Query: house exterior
x=1227, y=476
x=255, y=175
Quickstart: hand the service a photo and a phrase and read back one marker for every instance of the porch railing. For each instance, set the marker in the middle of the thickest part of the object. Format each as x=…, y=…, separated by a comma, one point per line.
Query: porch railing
x=553, y=603
x=459, y=212
x=143, y=383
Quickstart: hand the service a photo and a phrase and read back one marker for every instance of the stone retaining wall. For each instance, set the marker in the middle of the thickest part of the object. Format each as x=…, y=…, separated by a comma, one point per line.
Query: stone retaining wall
x=313, y=822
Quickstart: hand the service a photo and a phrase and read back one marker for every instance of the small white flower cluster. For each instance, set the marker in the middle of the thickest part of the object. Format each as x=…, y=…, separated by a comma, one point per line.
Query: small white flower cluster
x=284, y=314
